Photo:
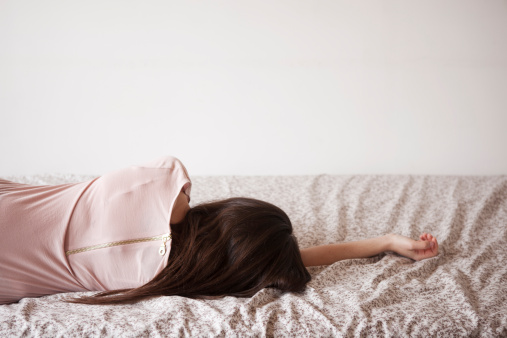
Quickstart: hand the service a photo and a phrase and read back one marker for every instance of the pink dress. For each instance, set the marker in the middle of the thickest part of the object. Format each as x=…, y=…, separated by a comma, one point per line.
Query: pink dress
x=109, y=233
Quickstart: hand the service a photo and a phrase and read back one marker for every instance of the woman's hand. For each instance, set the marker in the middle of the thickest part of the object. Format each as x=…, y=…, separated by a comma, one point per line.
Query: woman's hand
x=425, y=247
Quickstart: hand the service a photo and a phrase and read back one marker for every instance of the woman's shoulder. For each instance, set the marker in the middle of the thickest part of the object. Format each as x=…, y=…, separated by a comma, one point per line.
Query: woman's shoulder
x=165, y=162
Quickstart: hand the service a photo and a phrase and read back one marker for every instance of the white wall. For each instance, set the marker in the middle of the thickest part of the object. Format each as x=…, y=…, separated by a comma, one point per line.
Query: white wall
x=254, y=87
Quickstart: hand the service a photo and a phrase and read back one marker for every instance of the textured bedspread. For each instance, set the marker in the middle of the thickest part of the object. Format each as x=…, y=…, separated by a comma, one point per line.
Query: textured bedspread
x=461, y=292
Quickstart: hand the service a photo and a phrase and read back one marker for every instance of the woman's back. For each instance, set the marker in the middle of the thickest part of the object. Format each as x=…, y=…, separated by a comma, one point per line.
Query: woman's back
x=104, y=234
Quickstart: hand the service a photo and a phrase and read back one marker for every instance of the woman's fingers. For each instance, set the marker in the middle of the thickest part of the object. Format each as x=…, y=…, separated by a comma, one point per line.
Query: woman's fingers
x=435, y=245
x=421, y=245
x=426, y=237
x=426, y=247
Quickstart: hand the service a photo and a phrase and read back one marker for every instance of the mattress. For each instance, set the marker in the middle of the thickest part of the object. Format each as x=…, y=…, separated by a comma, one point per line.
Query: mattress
x=460, y=292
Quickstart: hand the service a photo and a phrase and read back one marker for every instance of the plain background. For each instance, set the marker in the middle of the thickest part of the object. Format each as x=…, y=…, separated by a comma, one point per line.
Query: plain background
x=254, y=87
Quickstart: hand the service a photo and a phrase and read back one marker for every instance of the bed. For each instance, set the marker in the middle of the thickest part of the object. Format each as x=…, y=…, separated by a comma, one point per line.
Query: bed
x=461, y=292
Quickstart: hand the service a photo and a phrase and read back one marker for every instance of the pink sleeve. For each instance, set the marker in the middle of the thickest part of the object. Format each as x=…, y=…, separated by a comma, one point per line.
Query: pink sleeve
x=171, y=162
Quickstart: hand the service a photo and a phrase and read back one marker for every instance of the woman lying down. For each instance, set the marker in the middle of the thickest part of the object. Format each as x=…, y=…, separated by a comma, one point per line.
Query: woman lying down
x=132, y=235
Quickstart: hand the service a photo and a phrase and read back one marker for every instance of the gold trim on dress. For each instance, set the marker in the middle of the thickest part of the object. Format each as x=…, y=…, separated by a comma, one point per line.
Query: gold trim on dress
x=161, y=251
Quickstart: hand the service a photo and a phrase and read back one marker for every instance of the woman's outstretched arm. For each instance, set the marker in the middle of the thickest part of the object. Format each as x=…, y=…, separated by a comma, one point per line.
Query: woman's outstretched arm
x=425, y=247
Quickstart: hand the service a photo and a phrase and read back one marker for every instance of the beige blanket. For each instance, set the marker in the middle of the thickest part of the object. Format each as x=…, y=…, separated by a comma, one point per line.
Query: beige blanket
x=461, y=292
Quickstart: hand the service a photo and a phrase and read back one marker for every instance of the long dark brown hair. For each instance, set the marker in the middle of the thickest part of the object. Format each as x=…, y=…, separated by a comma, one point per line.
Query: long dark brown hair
x=233, y=247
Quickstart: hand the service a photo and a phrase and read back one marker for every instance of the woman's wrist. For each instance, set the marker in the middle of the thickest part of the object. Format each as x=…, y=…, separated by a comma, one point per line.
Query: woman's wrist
x=389, y=242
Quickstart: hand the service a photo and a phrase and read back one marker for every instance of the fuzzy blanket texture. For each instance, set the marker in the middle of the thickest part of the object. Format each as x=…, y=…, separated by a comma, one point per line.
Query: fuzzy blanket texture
x=461, y=292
